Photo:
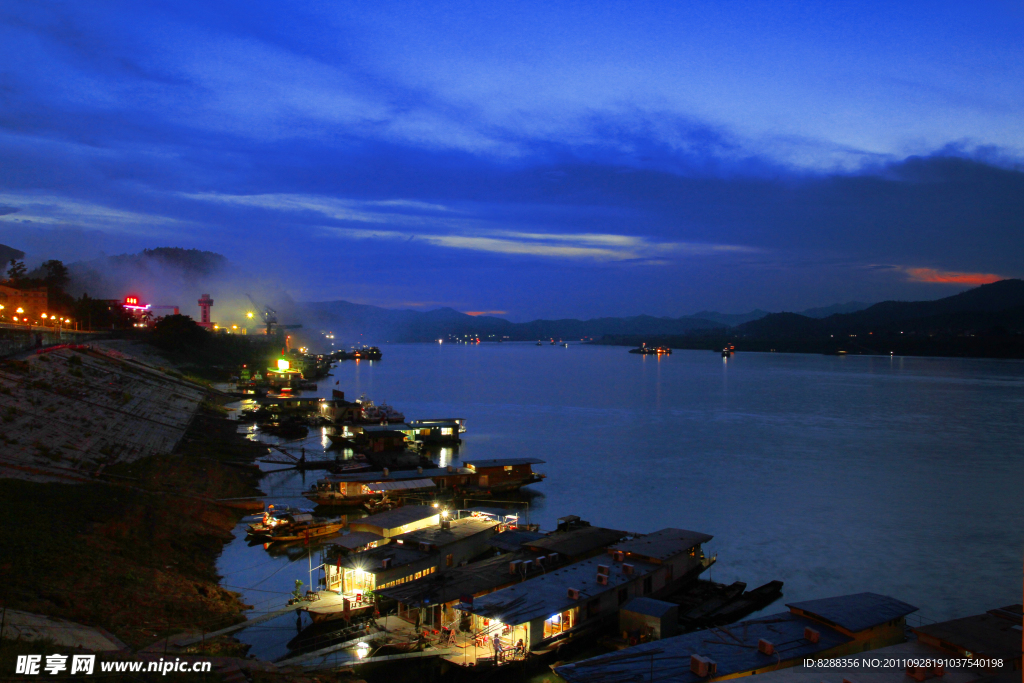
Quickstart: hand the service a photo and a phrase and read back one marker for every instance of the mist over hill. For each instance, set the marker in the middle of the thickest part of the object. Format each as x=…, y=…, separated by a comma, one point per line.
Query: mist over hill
x=173, y=276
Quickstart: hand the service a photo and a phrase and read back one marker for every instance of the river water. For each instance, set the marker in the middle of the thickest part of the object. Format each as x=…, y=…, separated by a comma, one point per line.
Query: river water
x=834, y=474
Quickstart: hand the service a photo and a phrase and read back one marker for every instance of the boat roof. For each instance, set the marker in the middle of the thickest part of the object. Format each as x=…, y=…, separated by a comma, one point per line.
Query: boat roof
x=356, y=539
x=514, y=539
x=548, y=593
x=370, y=560
x=288, y=399
x=392, y=519
x=578, y=541
x=390, y=427
x=471, y=579
x=993, y=634
x=404, y=485
x=458, y=530
x=649, y=607
x=855, y=612
x=734, y=651
x=664, y=543
x=396, y=476
x=437, y=421
x=501, y=462
x=404, y=549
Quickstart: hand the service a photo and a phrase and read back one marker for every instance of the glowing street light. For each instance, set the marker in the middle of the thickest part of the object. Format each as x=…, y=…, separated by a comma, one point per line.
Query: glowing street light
x=249, y=315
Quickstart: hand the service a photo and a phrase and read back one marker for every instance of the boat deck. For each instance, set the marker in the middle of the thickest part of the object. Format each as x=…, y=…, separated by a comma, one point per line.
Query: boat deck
x=477, y=650
x=331, y=605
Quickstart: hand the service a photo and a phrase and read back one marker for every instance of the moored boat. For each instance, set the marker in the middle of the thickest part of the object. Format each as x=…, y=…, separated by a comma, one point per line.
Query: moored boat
x=294, y=527
x=646, y=350
x=478, y=477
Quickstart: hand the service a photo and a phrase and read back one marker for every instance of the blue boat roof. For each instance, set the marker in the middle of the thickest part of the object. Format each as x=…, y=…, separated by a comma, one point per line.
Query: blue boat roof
x=548, y=593
x=511, y=541
x=734, y=650
x=856, y=612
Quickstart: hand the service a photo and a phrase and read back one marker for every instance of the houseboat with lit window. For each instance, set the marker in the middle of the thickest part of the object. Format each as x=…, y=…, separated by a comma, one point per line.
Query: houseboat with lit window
x=552, y=608
x=352, y=579
x=438, y=430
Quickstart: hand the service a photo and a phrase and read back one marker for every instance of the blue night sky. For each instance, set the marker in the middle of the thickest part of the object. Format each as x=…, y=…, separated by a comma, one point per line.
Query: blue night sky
x=539, y=159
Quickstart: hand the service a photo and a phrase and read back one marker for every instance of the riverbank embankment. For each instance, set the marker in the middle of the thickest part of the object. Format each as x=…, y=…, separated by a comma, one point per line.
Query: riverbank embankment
x=111, y=472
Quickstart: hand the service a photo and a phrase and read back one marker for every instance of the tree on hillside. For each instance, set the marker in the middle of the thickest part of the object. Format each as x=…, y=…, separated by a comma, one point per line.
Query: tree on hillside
x=56, y=277
x=16, y=271
x=179, y=333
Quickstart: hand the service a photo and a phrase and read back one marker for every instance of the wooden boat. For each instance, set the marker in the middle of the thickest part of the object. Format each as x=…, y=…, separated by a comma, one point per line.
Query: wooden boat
x=307, y=532
x=294, y=527
x=749, y=602
x=708, y=607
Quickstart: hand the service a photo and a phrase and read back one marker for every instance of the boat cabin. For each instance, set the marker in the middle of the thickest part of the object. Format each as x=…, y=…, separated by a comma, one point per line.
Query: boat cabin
x=355, y=488
x=435, y=598
x=290, y=404
x=280, y=379
x=443, y=431
x=340, y=411
x=408, y=557
x=553, y=605
x=380, y=438
x=505, y=473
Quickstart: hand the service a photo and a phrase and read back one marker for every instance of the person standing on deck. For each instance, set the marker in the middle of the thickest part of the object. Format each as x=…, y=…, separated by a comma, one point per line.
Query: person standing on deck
x=497, y=649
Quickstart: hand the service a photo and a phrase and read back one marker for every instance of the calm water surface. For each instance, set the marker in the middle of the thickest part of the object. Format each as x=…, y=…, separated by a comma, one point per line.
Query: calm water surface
x=835, y=475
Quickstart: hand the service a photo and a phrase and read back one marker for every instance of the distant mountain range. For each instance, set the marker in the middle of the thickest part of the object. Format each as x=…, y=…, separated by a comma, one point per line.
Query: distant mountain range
x=352, y=322
x=987, y=321
x=996, y=306
x=356, y=322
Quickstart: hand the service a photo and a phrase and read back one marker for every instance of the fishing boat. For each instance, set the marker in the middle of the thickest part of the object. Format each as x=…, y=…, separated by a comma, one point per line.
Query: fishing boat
x=374, y=414
x=300, y=527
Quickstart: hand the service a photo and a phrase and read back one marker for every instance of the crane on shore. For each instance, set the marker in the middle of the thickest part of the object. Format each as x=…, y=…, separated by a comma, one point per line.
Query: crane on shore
x=269, y=317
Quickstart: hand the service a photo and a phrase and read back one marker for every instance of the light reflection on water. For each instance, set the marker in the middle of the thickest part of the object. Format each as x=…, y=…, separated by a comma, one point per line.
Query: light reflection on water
x=833, y=474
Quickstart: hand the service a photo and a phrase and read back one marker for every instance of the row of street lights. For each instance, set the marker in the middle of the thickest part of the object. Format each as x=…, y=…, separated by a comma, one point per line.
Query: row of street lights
x=45, y=318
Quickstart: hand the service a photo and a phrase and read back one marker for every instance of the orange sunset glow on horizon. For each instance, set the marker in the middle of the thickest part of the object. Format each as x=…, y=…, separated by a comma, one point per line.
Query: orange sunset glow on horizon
x=947, y=277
